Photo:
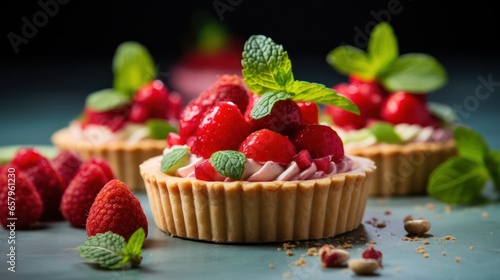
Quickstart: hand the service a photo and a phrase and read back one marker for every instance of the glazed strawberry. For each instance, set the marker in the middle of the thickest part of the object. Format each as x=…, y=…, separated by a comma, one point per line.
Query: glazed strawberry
x=80, y=194
x=223, y=128
x=150, y=101
x=267, y=145
x=323, y=164
x=251, y=103
x=66, y=164
x=226, y=88
x=116, y=209
x=174, y=106
x=309, y=112
x=303, y=159
x=28, y=202
x=403, y=107
x=205, y=171
x=114, y=119
x=284, y=118
x=368, y=96
x=103, y=164
x=320, y=141
x=173, y=139
x=138, y=113
x=47, y=182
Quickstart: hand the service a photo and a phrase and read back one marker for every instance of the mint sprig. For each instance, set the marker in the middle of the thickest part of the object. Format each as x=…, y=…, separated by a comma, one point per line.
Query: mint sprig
x=461, y=179
x=109, y=250
x=413, y=72
x=174, y=159
x=229, y=163
x=159, y=128
x=105, y=100
x=267, y=71
x=384, y=133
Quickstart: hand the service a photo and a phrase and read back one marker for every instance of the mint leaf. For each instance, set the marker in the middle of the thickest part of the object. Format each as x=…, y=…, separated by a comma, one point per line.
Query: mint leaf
x=229, y=163
x=318, y=93
x=266, y=66
x=470, y=144
x=159, y=129
x=442, y=111
x=493, y=166
x=133, y=67
x=416, y=73
x=349, y=60
x=174, y=159
x=133, y=249
x=382, y=48
x=105, y=249
x=105, y=100
x=458, y=180
x=266, y=102
x=384, y=132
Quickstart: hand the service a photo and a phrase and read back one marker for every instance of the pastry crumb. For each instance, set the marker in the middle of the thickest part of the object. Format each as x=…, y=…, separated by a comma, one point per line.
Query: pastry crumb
x=278, y=249
x=373, y=242
x=430, y=206
x=289, y=253
x=458, y=259
x=408, y=218
x=426, y=242
x=447, y=209
x=421, y=250
x=345, y=246
x=381, y=225
x=471, y=248
x=317, y=244
x=443, y=253
x=393, y=234
x=450, y=237
x=300, y=262
x=312, y=251
x=287, y=275
x=397, y=269
x=485, y=215
x=387, y=212
x=426, y=255
x=271, y=266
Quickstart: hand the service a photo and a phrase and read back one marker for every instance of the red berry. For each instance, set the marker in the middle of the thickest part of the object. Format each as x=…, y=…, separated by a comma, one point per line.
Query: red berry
x=190, y=120
x=323, y=164
x=205, y=171
x=47, y=182
x=303, y=159
x=139, y=113
x=66, y=164
x=403, y=107
x=267, y=145
x=331, y=257
x=368, y=96
x=223, y=128
x=116, y=209
x=28, y=202
x=371, y=253
x=80, y=194
x=114, y=119
x=103, y=164
x=174, y=106
x=173, y=139
x=320, y=141
x=309, y=112
x=284, y=118
x=152, y=95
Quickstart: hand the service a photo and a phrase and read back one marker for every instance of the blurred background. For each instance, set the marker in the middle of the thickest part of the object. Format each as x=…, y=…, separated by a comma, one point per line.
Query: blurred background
x=55, y=52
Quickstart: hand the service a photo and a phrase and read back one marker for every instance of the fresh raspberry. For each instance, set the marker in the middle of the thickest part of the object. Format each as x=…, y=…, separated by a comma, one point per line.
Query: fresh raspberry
x=114, y=119
x=44, y=178
x=151, y=101
x=309, y=112
x=205, y=171
x=371, y=253
x=368, y=96
x=80, y=194
x=284, y=118
x=104, y=165
x=138, y=113
x=66, y=164
x=267, y=145
x=116, y=209
x=403, y=107
x=28, y=202
x=223, y=128
x=226, y=88
x=320, y=141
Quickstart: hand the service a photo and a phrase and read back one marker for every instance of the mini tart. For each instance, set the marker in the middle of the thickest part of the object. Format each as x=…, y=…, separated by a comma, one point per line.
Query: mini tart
x=404, y=168
x=257, y=212
x=124, y=158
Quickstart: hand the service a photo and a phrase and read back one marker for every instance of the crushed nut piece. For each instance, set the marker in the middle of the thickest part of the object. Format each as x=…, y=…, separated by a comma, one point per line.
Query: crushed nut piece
x=426, y=242
x=471, y=248
x=311, y=251
x=421, y=250
x=271, y=266
x=450, y=237
x=300, y=262
x=458, y=259
x=381, y=225
x=387, y=212
x=289, y=253
x=443, y=253
x=426, y=255
x=373, y=242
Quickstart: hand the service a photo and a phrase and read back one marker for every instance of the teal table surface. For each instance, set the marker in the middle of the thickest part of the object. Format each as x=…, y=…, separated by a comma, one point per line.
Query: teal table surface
x=468, y=236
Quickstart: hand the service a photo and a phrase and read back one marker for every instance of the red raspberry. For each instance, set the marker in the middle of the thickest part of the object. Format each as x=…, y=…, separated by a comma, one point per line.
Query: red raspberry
x=66, y=164
x=403, y=107
x=116, y=209
x=320, y=141
x=267, y=145
x=223, y=128
x=80, y=194
x=28, y=202
x=103, y=164
x=114, y=119
x=139, y=113
x=226, y=88
x=152, y=101
x=309, y=112
x=44, y=178
x=284, y=118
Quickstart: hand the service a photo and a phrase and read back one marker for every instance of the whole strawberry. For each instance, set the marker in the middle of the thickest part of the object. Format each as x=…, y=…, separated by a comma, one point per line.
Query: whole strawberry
x=28, y=206
x=116, y=209
x=66, y=164
x=320, y=141
x=267, y=145
x=285, y=118
x=114, y=119
x=47, y=182
x=80, y=194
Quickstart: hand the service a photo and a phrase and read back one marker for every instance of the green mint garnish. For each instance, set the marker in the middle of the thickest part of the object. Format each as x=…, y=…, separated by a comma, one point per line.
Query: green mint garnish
x=229, y=163
x=413, y=72
x=110, y=250
x=266, y=102
x=174, y=159
x=133, y=67
x=267, y=71
x=385, y=133
x=159, y=129
x=462, y=178
x=105, y=100
x=443, y=112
